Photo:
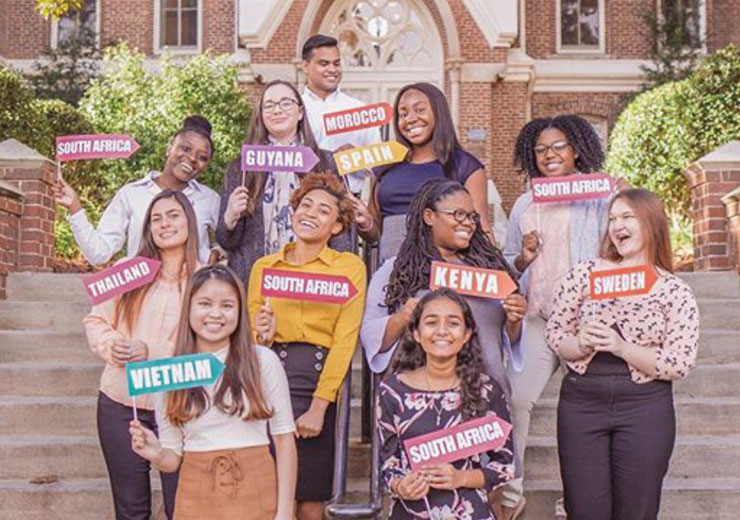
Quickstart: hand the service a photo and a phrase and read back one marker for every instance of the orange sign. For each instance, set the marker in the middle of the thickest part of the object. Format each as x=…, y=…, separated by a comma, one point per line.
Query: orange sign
x=626, y=281
x=472, y=281
x=366, y=157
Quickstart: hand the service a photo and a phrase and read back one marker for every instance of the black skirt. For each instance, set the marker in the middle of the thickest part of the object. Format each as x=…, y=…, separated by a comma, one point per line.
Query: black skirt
x=303, y=364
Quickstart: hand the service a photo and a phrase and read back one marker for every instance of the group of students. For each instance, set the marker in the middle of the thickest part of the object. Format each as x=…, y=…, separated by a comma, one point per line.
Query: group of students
x=259, y=443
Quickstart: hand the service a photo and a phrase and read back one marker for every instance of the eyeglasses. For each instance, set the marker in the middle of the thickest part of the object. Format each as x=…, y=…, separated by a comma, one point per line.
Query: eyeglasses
x=461, y=216
x=558, y=147
x=285, y=104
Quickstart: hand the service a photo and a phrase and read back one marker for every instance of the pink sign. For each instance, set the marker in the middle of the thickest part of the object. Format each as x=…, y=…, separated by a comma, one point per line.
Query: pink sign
x=571, y=187
x=83, y=147
x=268, y=158
x=470, y=438
x=299, y=285
x=120, y=279
x=358, y=118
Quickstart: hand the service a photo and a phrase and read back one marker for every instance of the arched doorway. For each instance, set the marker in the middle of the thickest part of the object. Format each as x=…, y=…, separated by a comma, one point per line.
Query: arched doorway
x=385, y=44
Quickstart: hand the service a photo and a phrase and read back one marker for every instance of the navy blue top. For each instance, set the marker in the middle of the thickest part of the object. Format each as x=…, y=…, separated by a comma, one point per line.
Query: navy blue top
x=398, y=185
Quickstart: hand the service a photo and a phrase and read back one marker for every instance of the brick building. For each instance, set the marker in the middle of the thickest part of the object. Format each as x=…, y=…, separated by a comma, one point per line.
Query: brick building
x=501, y=62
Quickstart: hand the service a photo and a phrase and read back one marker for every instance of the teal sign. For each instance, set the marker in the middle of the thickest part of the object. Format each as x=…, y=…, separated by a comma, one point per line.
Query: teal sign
x=175, y=373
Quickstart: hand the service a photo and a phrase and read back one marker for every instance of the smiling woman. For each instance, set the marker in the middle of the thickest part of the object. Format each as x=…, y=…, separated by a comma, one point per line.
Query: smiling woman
x=315, y=338
x=188, y=155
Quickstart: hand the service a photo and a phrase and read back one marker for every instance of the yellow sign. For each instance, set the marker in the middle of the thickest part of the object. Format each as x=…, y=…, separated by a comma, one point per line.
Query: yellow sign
x=366, y=157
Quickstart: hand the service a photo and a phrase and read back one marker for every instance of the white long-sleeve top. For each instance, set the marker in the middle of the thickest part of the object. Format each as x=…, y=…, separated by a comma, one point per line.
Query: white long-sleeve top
x=123, y=220
x=334, y=102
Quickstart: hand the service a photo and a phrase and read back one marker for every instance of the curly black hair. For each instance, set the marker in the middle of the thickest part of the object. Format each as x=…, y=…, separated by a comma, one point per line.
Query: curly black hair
x=410, y=355
x=413, y=263
x=580, y=134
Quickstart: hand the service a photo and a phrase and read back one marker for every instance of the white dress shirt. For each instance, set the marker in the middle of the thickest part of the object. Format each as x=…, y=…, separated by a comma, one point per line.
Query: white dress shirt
x=334, y=102
x=123, y=220
x=215, y=430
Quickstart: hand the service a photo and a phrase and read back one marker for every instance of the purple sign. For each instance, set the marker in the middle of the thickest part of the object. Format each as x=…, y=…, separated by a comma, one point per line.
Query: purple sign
x=268, y=158
x=120, y=279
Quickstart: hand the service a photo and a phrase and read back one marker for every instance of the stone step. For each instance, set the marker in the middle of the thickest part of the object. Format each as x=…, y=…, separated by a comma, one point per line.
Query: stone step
x=703, y=381
x=23, y=415
x=683, y=499
x=722, y=284
x=696, y=416
x=718, y=346
x=43, y=346
x=32, y=378
x=61, y=318
x=46, y=287
x=67, y=499
x=693, y=457
x=27, y=456
x=720, y=314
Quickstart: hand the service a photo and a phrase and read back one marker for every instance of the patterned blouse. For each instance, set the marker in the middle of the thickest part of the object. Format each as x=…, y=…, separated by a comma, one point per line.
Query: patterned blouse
x=405, y=412
x=666, y=319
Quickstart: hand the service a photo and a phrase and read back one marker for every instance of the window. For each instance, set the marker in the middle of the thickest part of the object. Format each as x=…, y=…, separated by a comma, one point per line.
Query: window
x=685, y=20
x=179, y=24
x=580, y=26
x=600, y=125
x=76, y=25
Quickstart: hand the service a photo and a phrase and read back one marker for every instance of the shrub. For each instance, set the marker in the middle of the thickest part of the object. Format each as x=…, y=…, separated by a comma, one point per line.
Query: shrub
x=665, y=129
x=151, y=107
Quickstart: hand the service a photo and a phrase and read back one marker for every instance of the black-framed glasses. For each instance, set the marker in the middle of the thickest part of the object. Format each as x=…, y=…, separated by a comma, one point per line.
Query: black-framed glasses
x=558, y=147
x=461, y=216
x=285, y=104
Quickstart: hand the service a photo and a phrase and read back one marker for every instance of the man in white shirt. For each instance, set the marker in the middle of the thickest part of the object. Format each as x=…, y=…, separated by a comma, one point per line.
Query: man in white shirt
x=322, y=66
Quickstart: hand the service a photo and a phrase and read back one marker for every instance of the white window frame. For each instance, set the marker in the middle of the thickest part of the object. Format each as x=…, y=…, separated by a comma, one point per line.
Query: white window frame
x=601, y=49
x=54, y=40
x=159, y=49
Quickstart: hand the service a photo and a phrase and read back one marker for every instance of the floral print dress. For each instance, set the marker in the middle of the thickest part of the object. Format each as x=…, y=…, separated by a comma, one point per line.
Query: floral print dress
x=405, y=412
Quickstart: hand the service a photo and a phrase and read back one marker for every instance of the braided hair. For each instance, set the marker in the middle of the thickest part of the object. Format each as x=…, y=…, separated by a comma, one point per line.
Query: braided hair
x=410, y=355
x=413, y=264
x=580, y=134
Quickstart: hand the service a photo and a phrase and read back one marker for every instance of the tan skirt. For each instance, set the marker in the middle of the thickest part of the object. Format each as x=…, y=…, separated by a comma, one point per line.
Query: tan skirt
x=227, y=484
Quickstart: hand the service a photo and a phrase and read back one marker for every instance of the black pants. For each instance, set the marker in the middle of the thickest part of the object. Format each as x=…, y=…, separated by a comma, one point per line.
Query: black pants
x=615, y=439
x=129, y=473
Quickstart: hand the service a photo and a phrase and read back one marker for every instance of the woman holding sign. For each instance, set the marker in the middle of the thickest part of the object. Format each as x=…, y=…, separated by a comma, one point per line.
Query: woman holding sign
x=312, y=320
x=136, y=326
x=443, y=226
x=438, y=382
x=543, y=241
x=423, y=124
x=217, y=435
x=188, y=156
x=616, y=421
x=255, y=215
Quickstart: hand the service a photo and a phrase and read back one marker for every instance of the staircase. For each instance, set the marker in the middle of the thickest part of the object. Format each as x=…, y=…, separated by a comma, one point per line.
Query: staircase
x=49, y=381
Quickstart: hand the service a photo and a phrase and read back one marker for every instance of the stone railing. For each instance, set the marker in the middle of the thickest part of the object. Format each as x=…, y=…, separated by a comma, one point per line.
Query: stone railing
x=711, y=178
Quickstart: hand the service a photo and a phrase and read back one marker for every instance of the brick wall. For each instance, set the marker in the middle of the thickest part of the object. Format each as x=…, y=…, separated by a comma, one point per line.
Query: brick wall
x=624, y=28
x=602, y=104
x=722, y=23
x=219, y=25
x=11, y=201
x=709, y=181
x=508, y=114
x=26, y=34
x=132, y=20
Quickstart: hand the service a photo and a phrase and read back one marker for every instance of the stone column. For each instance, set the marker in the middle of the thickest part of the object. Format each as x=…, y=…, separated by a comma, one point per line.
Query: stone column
x=711, y=178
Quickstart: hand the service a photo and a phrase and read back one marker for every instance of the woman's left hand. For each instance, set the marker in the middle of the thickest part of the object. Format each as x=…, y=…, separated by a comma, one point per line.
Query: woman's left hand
x=606, y=339
x=310, y=423
x=515, y=307
x=444, y=476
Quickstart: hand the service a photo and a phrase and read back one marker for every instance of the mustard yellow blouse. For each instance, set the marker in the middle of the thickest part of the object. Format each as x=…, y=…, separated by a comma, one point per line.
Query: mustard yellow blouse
x=330, y=325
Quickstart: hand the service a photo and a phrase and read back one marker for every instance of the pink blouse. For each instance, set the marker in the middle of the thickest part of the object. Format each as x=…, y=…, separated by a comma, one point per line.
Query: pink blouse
x=666, y=319
x=156, y=326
